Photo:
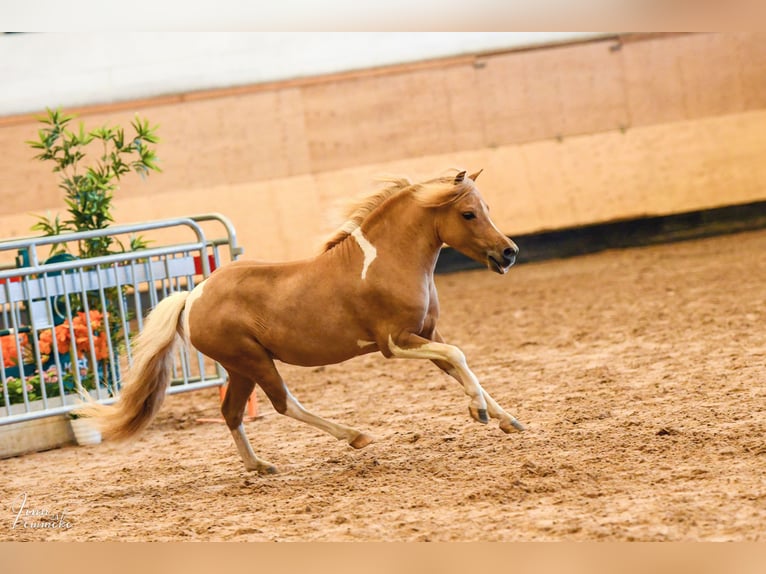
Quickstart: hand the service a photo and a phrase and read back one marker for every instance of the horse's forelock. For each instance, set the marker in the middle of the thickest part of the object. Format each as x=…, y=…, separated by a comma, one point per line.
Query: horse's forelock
x=441, y=191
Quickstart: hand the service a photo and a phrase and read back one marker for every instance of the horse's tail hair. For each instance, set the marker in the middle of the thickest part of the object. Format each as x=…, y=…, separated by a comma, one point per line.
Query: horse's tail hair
x=147, y=381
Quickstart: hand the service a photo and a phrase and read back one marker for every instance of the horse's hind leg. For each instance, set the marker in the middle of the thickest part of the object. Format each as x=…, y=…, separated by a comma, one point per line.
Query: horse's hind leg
x=269, y=379
x=352, y=436
x=238, y=391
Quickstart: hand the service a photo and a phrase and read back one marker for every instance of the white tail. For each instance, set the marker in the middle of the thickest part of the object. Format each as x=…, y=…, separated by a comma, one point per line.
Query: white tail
x=144, y=387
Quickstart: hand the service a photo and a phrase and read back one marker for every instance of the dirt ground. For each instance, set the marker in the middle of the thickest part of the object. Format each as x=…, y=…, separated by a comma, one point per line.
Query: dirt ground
x=640, y=375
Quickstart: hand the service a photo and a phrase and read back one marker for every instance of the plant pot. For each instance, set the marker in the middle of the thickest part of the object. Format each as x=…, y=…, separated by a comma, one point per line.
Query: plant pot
x=85, y=432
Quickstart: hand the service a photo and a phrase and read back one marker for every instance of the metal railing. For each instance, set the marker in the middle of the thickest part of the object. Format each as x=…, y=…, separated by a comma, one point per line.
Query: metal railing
x=67, y=324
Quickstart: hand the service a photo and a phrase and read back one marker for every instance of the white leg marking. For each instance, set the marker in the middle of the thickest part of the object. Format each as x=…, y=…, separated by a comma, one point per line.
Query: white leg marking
x=251, y=461
x=341, y=432
x=507, y=421
x=368, y=250
x=452, y=355
x=193, y=296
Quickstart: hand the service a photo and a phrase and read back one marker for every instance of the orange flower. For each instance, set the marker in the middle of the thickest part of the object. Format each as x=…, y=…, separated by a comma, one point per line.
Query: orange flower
x=96, y=319
x=62, y=337
x=10, y=353
x=9, y=350
x=63, y=332
x=45, y=343
x=82, y=335
x=101, y=347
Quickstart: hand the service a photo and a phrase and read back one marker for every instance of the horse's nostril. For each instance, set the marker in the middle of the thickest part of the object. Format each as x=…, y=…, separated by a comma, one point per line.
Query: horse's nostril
x=510, y=252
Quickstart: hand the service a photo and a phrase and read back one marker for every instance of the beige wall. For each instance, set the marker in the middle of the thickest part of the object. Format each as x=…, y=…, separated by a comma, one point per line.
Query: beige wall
x=567, y=135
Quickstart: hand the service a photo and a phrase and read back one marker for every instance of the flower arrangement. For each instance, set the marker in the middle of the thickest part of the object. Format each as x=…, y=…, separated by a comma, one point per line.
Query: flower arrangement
x=90, y=165
x=73, y=343
x=79, y=327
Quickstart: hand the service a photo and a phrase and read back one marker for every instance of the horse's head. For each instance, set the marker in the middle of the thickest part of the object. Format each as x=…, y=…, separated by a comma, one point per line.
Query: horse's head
x=465, y=225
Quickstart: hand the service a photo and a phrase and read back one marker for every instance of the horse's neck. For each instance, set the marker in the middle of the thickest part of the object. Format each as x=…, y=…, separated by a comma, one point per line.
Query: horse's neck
x=405, y=231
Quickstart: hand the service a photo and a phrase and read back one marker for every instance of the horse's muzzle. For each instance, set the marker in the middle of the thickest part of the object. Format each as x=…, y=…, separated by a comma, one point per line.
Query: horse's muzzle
x=502, y=262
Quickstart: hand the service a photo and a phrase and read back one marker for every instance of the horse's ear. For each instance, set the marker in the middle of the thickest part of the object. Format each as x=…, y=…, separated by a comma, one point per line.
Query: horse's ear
x=475, y=175
x=460, y=177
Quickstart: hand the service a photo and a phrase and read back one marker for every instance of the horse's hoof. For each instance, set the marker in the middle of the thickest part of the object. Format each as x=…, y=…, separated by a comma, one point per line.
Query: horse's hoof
x=361, y=440
x=479, y=415
x=512, y=426
x=263, y=469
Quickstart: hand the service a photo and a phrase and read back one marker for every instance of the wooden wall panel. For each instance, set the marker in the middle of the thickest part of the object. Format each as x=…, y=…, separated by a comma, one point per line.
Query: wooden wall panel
x=24, y=184
x=232, y=140
x=463, y=124
x=278, y=160
x=590, y=87
x=751, y=56
x=203, y=144
x=653, y=85
x=299, y=215
x=552, y=93
x=710, y=74
x=275, y=220
x=373, y=119
x=694, y=76
x=518, y=104
x=357, y=121
x=530, y=187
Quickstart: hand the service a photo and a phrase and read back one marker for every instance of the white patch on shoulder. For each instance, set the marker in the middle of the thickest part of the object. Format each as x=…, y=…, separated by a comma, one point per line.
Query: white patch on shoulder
x=362, y=344
x=193, y=296
x=368, y=250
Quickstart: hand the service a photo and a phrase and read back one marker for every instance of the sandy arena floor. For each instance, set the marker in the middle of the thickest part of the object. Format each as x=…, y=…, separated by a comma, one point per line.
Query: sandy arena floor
x=640, y=374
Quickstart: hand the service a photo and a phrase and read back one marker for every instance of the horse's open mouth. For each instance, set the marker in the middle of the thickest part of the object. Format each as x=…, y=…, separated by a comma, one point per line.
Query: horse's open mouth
x=497, y=266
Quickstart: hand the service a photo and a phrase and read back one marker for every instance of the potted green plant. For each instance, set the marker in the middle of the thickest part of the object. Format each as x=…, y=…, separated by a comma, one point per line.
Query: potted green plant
x=89, y=186
x=90, y=165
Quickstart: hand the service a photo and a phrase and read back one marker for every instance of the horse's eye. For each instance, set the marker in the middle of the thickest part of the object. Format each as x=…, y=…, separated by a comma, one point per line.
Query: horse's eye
x=469, y=215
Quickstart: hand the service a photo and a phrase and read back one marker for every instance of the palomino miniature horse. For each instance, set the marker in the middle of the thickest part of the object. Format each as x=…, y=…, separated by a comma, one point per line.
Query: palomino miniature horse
x=371, y=289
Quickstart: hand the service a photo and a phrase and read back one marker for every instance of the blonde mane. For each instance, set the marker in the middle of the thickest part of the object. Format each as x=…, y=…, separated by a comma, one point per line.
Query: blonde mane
x=432, y=193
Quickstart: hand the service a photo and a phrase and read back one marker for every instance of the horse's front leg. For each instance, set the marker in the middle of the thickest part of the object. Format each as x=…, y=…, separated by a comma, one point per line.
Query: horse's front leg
x=411, y=346
x=508, y=423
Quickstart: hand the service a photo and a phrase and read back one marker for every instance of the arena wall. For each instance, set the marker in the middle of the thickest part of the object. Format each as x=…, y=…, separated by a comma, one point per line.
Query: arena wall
x=590, y=132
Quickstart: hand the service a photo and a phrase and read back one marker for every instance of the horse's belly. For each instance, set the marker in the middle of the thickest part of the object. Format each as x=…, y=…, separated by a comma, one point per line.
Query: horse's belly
x=299, y=318
x=310, y=352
